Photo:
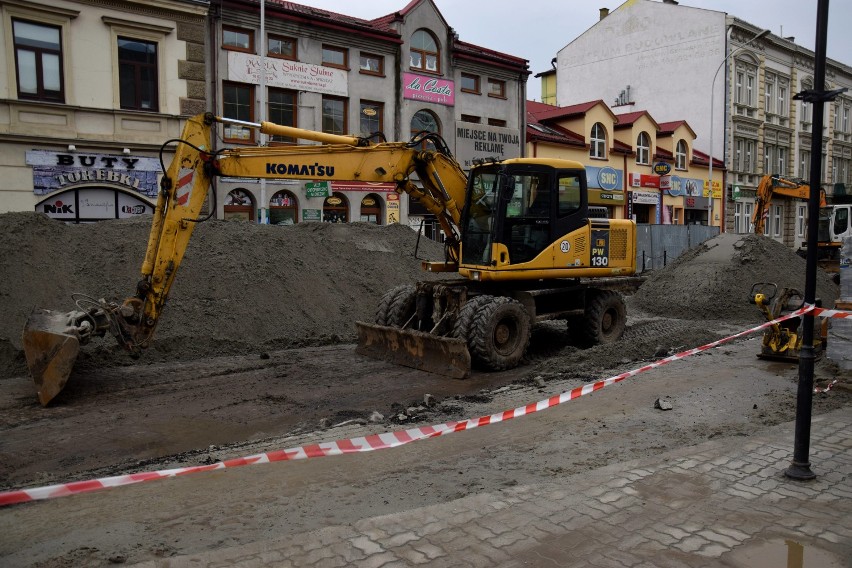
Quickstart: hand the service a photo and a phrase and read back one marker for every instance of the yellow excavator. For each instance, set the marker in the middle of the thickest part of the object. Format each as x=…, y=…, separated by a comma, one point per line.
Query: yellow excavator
x=777, y=185
x=520, y=236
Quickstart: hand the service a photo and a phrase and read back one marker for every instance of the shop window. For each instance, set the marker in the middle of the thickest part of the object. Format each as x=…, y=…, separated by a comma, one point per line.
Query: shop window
x=282, y=110
x=371, y=209
x=283, y=47
x=238, y=103
x=237, y=39
x=597, y=142
x=283, y=209
x=137, y=74
x=371, y=64
x=470, y=83
x=38, y=61
x=239, y=205
x=335, y=57
x=334, y=115
x=335, y=209
x=425, y=53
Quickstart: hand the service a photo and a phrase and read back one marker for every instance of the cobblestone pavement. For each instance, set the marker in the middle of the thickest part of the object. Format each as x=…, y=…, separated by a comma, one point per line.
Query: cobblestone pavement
x=722, y=503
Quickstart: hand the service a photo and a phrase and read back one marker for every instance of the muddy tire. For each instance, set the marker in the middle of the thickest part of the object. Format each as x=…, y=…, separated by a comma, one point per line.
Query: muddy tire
x=606, y=318
x=397, y=306
x=498, y=331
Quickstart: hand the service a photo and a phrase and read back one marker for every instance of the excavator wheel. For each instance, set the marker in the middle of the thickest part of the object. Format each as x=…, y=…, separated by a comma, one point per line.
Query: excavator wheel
x=499, y=331
x=397, y=306
x=606, y=318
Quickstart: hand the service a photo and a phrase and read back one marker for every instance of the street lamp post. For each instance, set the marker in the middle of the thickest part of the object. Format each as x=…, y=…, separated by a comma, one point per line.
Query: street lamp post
x=710, y=160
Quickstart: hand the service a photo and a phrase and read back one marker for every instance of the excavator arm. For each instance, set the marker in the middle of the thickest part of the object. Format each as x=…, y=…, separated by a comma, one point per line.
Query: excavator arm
x=52, y=339
x=777, y=185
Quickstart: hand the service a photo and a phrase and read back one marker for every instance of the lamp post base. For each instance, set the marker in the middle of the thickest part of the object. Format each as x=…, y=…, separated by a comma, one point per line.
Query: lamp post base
x=800, y=471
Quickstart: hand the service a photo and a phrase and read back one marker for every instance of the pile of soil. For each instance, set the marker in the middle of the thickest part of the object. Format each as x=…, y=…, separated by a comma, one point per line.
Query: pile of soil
x=714, y=280
x=241, y=288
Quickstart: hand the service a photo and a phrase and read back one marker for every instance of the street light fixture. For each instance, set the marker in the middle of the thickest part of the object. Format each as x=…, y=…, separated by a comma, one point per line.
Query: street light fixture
x=710, y=161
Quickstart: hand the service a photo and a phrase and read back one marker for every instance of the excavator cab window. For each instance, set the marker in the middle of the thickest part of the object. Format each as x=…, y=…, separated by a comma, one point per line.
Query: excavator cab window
x=526, y=230
x=483, y=203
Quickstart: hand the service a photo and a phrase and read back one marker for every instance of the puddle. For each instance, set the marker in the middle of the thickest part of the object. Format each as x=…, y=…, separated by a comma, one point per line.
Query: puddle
x=778, y=553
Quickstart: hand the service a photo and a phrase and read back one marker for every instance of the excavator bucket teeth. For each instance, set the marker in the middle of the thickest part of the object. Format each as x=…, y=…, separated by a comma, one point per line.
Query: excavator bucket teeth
x=50, y=351
x=416, y=349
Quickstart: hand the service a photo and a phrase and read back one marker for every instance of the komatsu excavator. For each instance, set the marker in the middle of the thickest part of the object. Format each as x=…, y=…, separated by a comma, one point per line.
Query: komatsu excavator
x=520, y=236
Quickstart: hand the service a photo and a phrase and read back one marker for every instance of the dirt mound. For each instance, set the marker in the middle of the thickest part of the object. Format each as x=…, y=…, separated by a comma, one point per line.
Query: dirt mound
x=241, y=288
x=713, y=281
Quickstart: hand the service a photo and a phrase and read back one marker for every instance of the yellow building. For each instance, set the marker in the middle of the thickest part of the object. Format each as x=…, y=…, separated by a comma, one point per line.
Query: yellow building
x=637, y=168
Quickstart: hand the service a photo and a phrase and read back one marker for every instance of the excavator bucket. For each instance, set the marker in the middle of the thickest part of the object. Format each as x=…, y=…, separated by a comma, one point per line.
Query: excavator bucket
x=410, y=348
x=51, y=348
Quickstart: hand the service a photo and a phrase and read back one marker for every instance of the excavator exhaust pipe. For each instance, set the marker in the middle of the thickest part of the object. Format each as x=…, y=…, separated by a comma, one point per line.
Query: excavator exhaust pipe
x=415, y=349
x=51, y=344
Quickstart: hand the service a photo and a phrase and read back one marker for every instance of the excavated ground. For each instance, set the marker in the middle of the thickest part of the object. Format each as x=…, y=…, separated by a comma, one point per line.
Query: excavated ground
x=255, y=349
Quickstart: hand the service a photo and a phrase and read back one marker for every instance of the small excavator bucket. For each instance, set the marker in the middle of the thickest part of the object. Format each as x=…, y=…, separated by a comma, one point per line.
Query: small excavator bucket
x=51, y=348
x=410, y=348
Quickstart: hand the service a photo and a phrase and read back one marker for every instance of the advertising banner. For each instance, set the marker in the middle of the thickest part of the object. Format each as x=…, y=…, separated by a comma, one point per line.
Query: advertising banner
x=285, y=74
x=429, y=89
x=476, y=141
x=607, y=178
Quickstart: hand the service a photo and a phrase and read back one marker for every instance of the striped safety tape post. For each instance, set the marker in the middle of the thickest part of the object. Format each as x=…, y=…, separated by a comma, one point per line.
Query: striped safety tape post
x=367, y=443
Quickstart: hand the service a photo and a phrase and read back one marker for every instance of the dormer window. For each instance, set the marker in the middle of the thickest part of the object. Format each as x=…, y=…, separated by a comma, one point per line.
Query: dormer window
x=597, y=142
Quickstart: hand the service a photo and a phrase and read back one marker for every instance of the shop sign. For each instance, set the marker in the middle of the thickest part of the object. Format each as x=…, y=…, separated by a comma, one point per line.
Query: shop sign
x=367, y=186
x=690, y=202
x=717, y=189
x=317, y=189
x=662, y=169
x=53, y=171
x=286, y=74
x=666, y=183
x=676, y=187
x=334, y=201
x=392, y=212
x=735, y=193
x=605, y=178
x=598, y=197
x=311, y=214
x=645, y=197
x=644, y=180
x=428, y=89
x=92, y=204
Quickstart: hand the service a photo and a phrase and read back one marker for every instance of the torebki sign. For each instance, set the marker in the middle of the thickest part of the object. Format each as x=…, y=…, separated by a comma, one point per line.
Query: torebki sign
x=53, y=171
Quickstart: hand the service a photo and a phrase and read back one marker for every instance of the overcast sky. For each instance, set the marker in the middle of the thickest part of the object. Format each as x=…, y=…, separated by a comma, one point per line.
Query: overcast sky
x=537, y=29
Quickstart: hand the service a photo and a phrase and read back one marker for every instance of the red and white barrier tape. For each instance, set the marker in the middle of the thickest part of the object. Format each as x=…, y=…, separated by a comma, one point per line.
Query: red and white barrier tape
x=826, y=313
x=375, y=441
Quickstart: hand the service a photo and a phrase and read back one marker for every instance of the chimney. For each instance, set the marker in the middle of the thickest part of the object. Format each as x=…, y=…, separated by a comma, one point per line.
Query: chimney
x=604, y=13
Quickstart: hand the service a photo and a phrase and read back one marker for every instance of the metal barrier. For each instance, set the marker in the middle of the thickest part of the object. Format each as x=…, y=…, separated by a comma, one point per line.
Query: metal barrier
x=658, y=245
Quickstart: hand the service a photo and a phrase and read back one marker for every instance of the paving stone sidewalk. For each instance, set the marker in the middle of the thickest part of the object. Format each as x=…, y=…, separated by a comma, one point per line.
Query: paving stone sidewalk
x=722, y=503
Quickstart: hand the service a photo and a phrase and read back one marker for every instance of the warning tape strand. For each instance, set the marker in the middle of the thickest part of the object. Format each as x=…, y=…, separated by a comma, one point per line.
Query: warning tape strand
x=385, y=440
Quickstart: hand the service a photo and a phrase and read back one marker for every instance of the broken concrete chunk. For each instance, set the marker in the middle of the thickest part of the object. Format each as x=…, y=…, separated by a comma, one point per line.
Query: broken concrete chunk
x=663, y=404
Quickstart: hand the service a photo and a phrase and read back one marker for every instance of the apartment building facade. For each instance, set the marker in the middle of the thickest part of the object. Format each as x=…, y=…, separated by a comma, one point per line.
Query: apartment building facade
x=89, y=91
x=735, y=91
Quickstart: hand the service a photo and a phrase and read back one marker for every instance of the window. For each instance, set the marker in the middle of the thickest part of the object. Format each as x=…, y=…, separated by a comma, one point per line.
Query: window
x=38, y=61
x=643, y=149
x=470, y=83
x=497, y=88
x=769, y=98
x=237, y=39
x=371, y=64
x=569, y=195
x=423, y=120
x=743, y=210
x=470, y=118
x=775, y=221
x=334, y=115
x=137, y=74
x=371, y=117
x=282, y=110
x=283, y=47
x=806, y=107
x=681, y=155
x=804, y=164
x=335, y=57
x=496, y=122
x=745, y=86
x=425, y=55
x=238, y=103
x=801, y=220
x=597, y=142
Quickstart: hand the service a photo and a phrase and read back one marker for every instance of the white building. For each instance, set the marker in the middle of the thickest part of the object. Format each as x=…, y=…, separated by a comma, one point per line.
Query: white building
x=679, y=62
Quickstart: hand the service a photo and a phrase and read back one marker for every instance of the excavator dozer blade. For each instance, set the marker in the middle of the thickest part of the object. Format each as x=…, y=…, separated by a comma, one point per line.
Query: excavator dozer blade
x=441, y=355
x=50, y=350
